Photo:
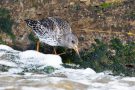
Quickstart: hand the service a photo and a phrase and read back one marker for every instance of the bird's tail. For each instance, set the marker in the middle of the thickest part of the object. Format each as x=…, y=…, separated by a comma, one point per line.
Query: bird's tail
x=35, y=25
x=31, y=23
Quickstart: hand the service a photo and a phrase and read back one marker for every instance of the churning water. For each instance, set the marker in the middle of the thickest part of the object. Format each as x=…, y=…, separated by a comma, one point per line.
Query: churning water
x=27, y=71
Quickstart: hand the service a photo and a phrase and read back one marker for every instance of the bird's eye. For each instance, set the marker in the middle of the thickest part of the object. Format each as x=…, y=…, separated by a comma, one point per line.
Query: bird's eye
x=73, y=42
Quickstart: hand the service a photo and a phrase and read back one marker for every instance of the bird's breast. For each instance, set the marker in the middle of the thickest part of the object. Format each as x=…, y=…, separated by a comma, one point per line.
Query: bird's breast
x=50, y=41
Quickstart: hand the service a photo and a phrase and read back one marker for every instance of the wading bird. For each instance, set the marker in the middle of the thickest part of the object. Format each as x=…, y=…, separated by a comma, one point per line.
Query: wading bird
x=55, y=32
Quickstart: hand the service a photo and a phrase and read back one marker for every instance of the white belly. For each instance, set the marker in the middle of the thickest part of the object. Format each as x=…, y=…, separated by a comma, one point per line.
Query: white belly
x=49, y=41
x=48, y=38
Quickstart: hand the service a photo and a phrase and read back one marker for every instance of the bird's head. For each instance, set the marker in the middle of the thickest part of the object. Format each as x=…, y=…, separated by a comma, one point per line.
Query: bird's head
x=71, y=41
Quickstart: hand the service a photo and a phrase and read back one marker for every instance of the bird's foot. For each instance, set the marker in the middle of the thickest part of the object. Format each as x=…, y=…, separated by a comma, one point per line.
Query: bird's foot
x=62, y=53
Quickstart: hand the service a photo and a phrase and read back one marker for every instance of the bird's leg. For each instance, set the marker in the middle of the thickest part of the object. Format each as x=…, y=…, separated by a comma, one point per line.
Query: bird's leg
x=38, y=45
x=63, y=52
x=54, y=49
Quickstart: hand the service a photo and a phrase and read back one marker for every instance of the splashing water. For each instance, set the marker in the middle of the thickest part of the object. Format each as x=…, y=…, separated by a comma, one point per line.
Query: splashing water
x=26, y=70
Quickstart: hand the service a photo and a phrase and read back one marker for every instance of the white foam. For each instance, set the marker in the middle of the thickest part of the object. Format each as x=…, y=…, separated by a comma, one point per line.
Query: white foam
x=71, y=77
x=29, y=57
x=41, y=88
x=15, y=70
x=36, y=58
x=7, y=63
x=5, y=47
x=129, y=79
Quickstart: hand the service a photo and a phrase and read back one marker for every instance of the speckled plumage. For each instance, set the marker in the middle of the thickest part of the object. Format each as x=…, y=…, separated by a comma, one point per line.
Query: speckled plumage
x=53, y=31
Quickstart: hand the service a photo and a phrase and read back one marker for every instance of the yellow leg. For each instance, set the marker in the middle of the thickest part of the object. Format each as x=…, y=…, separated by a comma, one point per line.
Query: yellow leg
x=63, y=52
x=54, y=50
x=38, y=46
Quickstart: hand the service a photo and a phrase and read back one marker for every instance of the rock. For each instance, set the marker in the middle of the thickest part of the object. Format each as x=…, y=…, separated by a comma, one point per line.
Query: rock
x=87, y=2
x=81, y=14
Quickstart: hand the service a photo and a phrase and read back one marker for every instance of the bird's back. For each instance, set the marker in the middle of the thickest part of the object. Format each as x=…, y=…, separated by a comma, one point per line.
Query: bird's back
x=50, y=24
x=57, y=25
x=50, y=30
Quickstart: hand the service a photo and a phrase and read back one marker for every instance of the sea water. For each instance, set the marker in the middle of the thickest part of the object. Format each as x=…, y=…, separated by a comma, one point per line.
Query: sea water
x=14, y=75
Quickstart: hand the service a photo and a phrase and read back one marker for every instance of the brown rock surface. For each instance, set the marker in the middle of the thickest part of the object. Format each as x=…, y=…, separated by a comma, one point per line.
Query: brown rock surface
x=89, y=19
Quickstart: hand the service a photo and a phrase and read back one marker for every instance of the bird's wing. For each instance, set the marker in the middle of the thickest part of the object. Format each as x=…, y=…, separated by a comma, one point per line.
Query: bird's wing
x=62, y=26
x=48, y=24
x=57, y=26
x=45, y=27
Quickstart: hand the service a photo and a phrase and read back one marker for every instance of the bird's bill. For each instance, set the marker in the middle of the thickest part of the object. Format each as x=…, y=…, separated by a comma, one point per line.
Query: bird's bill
x=76, y=50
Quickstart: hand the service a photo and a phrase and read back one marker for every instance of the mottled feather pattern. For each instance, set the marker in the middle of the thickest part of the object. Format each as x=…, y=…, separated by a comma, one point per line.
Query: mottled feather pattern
x=50, y=29
x=62, y=25
x=55, y=32
x=49, y=24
